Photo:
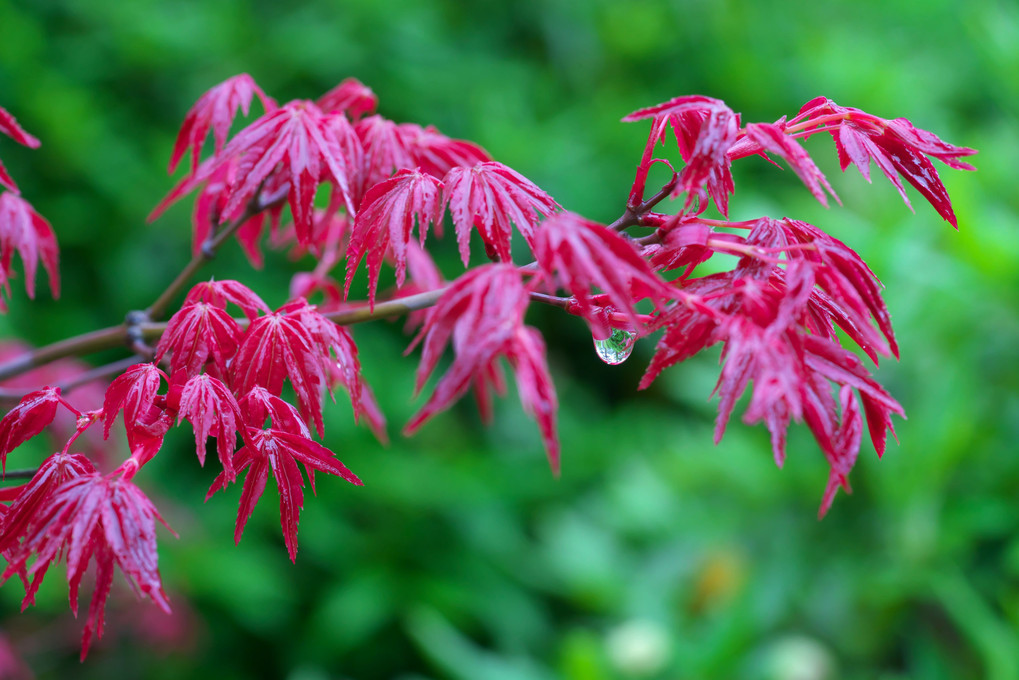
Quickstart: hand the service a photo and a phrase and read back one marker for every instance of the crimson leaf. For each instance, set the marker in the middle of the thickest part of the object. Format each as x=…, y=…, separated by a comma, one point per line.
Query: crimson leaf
x=386, y=219
x=216, y=109
x=491, y=196
x=22, y=229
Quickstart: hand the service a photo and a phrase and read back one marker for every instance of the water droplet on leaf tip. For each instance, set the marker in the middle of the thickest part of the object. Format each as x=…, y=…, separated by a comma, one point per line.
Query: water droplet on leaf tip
x=616, y=348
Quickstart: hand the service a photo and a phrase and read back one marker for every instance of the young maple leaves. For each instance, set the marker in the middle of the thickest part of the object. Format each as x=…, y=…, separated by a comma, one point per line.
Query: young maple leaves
x=776, y=314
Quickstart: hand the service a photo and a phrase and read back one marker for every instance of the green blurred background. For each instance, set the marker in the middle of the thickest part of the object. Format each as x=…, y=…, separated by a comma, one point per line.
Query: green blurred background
x=657, y=554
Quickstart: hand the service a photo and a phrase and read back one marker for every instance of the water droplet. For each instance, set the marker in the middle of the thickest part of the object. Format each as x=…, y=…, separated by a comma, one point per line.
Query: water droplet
x=617, y=347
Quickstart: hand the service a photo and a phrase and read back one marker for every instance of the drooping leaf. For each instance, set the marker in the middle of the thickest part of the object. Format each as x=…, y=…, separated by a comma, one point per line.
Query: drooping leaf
x=87, y=517
x=24, y=231
x=896, y=146
x=481, y=315
x=386, y=218
x=492, y=197
x=579, y=255
x=216, y=109
x=280, y=451
x=210, y=407
x=9, y=126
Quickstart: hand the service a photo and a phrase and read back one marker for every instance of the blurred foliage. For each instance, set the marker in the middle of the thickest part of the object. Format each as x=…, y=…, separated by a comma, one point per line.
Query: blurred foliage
x=657, y=554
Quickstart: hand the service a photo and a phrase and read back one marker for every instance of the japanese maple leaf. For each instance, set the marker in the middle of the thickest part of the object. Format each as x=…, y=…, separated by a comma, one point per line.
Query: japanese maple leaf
x=33, y=413
x=385, y=149
x=579, y=254
x=210, y=407
x=492, y=197
x=386, y=218
x=196, y=334
x=145, y=418
x=705, y=129
x=774, y=139
x=295, y=147
x=279, y=448
x=437, y=154
x=351, y=97
x=92, y=517
x=9, y=126
x=24, y=231
x=219, y=293
x=896, y=146
x=481, y=314
x=278, y=346
x=30, y=500
x=216, y=110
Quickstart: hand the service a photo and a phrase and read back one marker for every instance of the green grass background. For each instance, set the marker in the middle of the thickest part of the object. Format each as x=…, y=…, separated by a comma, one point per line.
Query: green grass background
x=657, y=554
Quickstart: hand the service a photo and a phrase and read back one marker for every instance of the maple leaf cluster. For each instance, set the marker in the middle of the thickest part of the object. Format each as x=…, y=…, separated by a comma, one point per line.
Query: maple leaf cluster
x=360, y=187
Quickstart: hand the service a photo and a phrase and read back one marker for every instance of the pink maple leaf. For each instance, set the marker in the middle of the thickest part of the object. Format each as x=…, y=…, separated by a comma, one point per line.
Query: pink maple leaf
x=481, y=314
x=437, y=154
x=216, y=110
x=492, y=197
x=705, y=129
x=196, y=334
x=278, y=448
x=579, y=254
x=92, y=517
x=210, y=407
x=896, y=146
x=25, y=231
x=351, y=97
x=386, y=218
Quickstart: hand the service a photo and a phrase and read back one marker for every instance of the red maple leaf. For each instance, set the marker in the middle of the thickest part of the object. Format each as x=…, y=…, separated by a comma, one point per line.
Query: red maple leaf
x=579, y=254
x=437, y=154
x=145, y=418
x=491, y=197
x=219, y=293
x=351, y=97
x=87, y=517
x=385, y=220
x=385, y=149
x=294, y=148
x=33, y=413
x=278, y=346
x=481, y=314
x=216, y=110
x=705, y=129
x=278, y=448
x=210, y=407
x=197, y=333
x=28, y=501
x=22, y=229
x=895, y=145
